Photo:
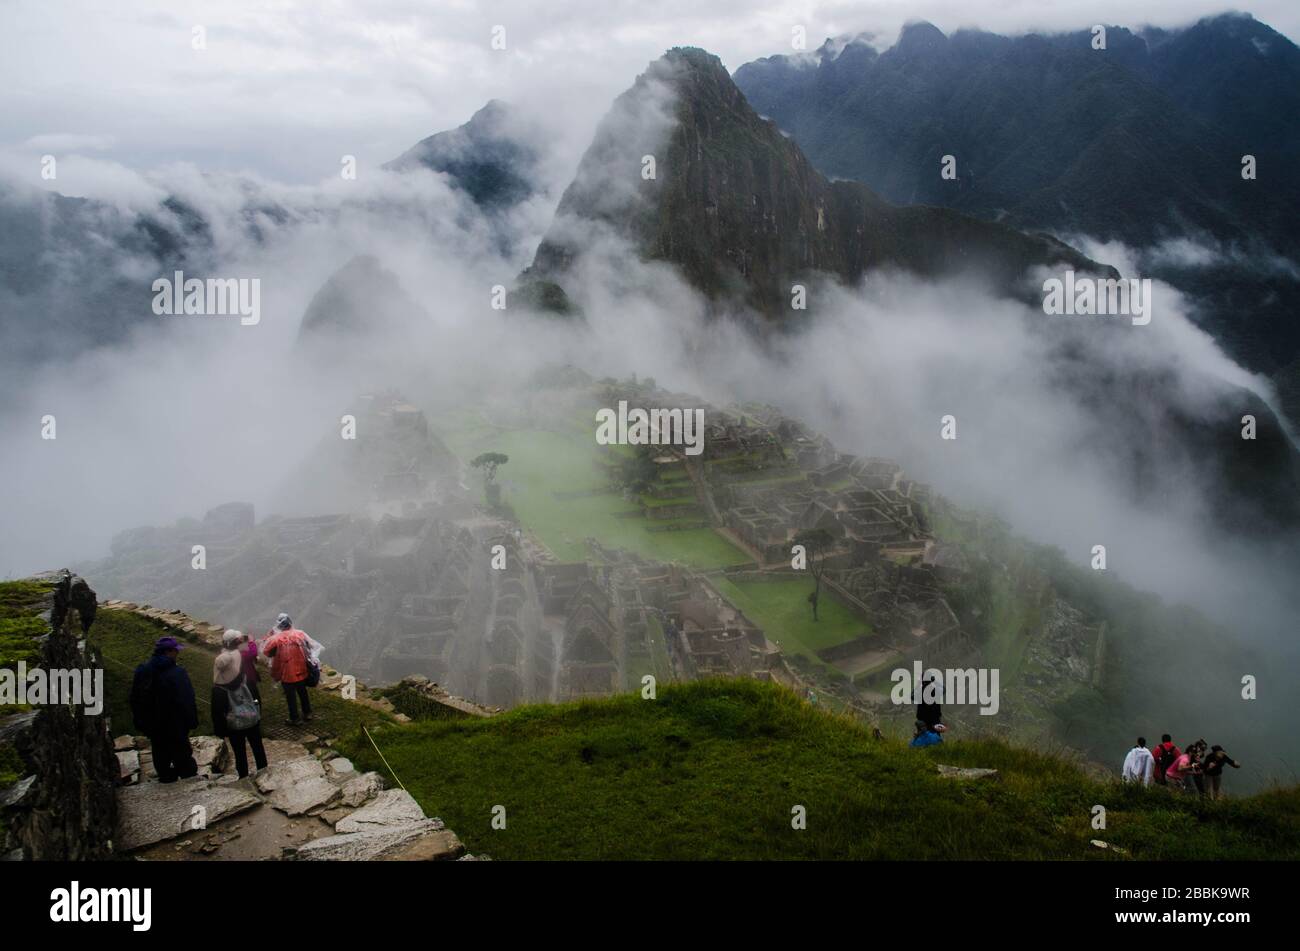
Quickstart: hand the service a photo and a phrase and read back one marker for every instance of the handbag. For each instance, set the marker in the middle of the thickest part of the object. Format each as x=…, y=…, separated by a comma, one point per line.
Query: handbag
x=242, y=712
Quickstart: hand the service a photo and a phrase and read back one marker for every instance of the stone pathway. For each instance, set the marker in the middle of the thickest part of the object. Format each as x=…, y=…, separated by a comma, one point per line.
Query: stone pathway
x=303, y=806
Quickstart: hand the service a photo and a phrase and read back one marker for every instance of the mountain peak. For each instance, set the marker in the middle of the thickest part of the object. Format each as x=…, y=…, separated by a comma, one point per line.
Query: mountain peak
x=491, y=157
x=740, y=210
x=489, y=119
x=920, y=36
x=693, y=57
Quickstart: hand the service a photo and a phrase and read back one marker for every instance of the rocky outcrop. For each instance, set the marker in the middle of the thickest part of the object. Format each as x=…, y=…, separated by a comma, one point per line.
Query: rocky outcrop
x=155, y=812
x=63, y=807
x=390, y=808
x=298, y=786
x=966, y=772
x=423, y=840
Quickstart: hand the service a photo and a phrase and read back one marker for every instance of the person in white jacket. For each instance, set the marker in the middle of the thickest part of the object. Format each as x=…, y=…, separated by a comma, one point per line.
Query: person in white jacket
x=1139, y=764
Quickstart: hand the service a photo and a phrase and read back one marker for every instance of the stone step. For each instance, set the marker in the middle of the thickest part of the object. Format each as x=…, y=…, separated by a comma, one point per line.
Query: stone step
x=420, y=840
x=154, y=812
x=392, y=807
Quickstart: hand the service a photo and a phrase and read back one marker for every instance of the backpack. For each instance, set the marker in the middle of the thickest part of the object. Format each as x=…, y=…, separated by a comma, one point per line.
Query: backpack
x=313, y=663
x=144, y=700
x=241, y=712
x=1168, y=756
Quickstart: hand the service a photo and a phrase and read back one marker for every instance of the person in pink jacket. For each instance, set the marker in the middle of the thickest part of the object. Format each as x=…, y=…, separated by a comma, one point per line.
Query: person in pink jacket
x=248, y=664
x=1182, y=774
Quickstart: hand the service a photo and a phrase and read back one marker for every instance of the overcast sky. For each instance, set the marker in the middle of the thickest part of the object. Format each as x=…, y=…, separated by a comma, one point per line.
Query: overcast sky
x=286, y=87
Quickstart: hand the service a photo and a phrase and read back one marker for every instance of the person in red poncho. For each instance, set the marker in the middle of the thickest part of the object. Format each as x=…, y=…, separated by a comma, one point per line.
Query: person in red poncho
x=290, y=651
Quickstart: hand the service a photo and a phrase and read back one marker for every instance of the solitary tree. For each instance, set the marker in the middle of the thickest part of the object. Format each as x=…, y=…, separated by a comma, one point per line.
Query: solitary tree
x=816, y=542
x=488, y=462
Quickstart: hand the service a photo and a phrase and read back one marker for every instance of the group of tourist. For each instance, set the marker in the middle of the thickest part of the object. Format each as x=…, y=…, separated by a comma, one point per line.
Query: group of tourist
x=1197, y=769
x=163, y=705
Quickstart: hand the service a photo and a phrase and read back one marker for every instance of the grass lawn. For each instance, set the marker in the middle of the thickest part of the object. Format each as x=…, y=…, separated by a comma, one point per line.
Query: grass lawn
x=781, y=609
x=658, y=663
x=712, y=770
x=544, y=463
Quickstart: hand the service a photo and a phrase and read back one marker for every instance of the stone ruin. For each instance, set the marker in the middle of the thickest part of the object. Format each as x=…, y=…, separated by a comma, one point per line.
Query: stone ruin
x=400, y=584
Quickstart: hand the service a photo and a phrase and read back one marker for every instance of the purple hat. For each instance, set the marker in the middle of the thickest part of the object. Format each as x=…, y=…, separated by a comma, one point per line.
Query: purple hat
x=166, y=644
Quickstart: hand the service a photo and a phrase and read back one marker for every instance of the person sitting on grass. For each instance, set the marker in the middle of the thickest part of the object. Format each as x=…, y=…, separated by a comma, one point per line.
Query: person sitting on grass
x=927, y=735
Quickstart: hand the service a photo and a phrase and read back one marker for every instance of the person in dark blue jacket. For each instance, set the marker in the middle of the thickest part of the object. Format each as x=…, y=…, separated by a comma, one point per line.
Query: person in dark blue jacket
x=162, y=705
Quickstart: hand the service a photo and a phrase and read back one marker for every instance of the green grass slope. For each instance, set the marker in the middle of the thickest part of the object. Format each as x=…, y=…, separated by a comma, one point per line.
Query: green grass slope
x=713, y=770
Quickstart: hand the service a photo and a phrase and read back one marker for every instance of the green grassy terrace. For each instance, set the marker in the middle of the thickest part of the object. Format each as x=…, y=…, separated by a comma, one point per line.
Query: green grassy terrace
x=712, y=770
x=781, y=609
x=546, y=464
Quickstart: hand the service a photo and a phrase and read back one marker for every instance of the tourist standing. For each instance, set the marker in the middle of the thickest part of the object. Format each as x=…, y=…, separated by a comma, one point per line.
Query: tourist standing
x=1179, y=776
x=162, y=706
x=290, y=655
x=236, y=713
x=1213, y=768
x=248, y=652
x=1197, y=775
x=1166, y=754
x=1139, y=764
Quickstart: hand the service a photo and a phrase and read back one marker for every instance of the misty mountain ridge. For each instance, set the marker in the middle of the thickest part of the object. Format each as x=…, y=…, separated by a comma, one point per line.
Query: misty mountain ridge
x=489, y=157
x=1141, y=143
x=85, y=265
x=736, y=206
x=738, y=210
x=1045, y=127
